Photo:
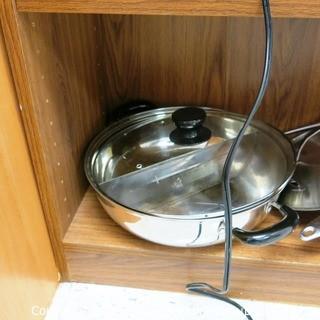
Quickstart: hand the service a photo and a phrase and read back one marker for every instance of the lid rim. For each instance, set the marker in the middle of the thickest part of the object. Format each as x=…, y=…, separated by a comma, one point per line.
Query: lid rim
x=145, y=116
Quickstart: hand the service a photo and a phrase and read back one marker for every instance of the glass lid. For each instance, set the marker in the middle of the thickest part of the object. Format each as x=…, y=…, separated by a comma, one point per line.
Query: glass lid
x=168, y=162
x=302, y=193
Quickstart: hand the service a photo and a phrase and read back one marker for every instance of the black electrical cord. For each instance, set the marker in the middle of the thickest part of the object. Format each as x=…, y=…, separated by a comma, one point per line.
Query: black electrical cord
x=212, y=293
x=203, y=288
x=230, y=157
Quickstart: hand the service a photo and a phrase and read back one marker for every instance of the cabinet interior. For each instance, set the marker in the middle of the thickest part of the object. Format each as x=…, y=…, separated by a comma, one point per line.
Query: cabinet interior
x=82, y=66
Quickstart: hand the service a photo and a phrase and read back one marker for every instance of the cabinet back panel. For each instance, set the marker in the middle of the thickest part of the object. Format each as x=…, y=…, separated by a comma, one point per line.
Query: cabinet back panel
x=214, y=62
x=82, y=66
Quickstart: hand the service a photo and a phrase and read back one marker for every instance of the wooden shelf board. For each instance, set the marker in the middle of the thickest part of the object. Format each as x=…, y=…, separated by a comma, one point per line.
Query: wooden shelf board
x=99, y=251
x=92, y=228
x=280, y=8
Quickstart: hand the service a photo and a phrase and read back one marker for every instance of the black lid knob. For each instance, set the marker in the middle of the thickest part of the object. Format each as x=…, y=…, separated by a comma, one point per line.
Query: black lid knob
x=189, y=130
x=189, y=118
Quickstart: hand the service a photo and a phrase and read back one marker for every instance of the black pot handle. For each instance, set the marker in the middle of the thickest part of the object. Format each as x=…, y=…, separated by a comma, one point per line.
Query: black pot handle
x=132, y=107
x=270, y=234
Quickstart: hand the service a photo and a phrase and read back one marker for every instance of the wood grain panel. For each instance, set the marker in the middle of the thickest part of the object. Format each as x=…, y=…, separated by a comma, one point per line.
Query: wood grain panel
x=292, y=97
x=99, y=251
x=280, y=8
x=256, y=280
x=166, y=60
x=64, y=69
x=9, y=22
x=28, y=274
x=214, y=62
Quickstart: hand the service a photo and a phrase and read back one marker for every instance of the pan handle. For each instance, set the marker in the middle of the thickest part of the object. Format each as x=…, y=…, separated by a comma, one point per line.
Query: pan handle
x=130, y=108
x=312, y=231
x=273, y=233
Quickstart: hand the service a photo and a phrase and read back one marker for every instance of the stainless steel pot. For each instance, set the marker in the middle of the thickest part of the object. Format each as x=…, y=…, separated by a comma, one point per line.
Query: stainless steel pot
x=171, y=214
x=303, y=191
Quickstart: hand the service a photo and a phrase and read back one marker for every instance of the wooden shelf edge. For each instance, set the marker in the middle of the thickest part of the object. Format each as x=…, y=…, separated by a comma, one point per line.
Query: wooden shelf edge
x=275, y=282
x=94, y=249
x=245, y=8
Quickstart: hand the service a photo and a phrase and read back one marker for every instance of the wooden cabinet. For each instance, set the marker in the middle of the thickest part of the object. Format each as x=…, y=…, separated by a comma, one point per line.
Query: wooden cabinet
x=72, y=70
x=28, y=274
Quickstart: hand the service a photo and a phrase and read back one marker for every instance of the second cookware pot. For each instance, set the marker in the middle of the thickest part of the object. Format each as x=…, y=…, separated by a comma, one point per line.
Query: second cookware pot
x=302, y=193
x=158, y=175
